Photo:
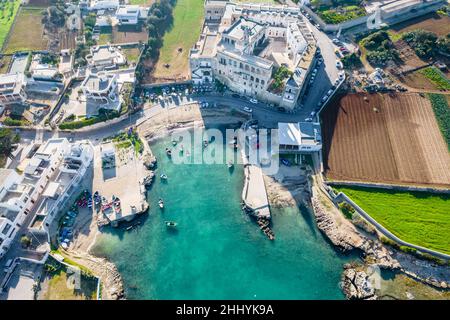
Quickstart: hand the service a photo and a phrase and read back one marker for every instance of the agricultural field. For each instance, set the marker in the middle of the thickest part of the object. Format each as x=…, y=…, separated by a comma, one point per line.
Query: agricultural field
x=417, y=217
x=127, y=35
x=187, y=15
x=439, y=24
x=388, y=138
x=440, y=104
x=28, y=32
x=8, y=11
x=436, y=77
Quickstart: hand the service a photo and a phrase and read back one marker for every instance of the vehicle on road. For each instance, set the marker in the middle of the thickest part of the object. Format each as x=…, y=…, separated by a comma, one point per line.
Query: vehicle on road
x=329, y=92
x=308, y=119
x=312, y=114
x=247, y=109
x=339, y=64
x=235, y=95
x=281, y=109
x=253, y=100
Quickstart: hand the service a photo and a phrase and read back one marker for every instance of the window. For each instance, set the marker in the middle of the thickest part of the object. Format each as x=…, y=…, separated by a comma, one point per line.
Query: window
x=262, y=82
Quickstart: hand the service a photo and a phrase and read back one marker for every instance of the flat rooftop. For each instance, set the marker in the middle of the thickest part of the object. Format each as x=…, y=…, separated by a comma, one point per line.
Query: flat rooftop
x=238, y=29
x=296, y=134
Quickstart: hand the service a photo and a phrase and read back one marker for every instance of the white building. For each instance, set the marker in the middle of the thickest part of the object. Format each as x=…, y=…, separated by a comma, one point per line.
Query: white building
x=49, y=178
x=74, y=159
x=243, y=45
x=101, y=87
x=128, y=14
x=12, y=88
x=298, y=138
x=105, y=57
x=104, y=4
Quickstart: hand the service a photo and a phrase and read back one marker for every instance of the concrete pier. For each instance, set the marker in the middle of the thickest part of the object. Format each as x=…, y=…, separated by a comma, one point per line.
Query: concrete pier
x=254, y=193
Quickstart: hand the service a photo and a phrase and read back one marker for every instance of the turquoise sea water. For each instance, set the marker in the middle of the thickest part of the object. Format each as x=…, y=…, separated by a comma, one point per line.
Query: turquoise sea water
x=217, y=251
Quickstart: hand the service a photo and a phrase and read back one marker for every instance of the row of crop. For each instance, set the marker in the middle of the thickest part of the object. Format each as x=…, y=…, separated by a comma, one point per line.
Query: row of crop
x=441, y=110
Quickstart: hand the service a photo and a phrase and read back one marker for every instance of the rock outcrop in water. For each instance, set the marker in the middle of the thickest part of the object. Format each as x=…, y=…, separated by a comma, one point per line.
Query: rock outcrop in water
x=357, y=285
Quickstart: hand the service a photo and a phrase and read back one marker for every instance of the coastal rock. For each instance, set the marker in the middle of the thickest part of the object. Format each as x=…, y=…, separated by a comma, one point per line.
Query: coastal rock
x=356, y=285
x=328, y=226
x=149, y=161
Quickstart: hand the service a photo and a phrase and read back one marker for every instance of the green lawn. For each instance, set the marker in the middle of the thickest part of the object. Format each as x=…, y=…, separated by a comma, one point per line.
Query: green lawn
x=417, y=217
x=187, y=21
x=8, y=11
x=145, y=3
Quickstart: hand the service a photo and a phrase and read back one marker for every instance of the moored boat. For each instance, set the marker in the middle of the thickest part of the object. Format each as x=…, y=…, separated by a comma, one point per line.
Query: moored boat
x=163, y=176
x=171, y=224
x=161, y=203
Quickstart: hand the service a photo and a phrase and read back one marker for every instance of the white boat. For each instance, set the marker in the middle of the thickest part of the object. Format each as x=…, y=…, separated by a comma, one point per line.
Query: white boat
x=230, y=164
x=161, y=203
x=163, y=176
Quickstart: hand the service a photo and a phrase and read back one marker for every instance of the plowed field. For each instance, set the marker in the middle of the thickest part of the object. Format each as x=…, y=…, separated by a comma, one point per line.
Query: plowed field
x=391, y=138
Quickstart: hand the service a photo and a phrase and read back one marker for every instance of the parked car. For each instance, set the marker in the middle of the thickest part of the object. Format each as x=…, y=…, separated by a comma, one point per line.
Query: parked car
x=235, y=95
x=329, y=92
x=281, y=109
x=247, y=109
x=339, y=64
x=253, y=100
x=312, y=114
x=285, y=162
x=308, y=119
x=324, y=98
x=341, y=75
x=7, y=265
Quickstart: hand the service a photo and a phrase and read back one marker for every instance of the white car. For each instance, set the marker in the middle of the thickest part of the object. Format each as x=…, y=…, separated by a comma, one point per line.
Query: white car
x=247, y=109
x=313, y=113
x=252, y=100
x=339, y=64
x=308, y=119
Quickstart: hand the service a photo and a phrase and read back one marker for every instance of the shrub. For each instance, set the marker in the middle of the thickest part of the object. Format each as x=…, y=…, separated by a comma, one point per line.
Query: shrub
x=347, y=210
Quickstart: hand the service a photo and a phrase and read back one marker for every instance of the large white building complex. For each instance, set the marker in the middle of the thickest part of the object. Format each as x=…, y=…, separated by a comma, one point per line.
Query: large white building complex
x=40, y=186
x=244, y=45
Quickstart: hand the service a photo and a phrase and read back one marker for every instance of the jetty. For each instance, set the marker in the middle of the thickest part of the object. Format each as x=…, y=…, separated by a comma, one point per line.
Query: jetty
x=254, y=194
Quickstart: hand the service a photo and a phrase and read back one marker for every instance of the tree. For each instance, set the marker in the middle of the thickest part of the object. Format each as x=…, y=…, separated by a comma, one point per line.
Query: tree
x=7, y=139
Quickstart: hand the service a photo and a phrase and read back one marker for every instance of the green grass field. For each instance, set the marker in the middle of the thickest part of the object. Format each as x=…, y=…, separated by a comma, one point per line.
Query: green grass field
x=27, y=33
x=187, y=21
x=145, y=3
x=417, y=217
x=8, y=11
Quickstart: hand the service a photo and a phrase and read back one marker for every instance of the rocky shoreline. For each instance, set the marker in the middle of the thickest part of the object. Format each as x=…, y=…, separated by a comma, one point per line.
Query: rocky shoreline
x=343, y=234
x=359, y=280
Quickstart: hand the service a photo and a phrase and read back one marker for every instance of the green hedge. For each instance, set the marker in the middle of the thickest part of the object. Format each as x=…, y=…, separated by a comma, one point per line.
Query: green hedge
x=15, y=123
